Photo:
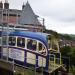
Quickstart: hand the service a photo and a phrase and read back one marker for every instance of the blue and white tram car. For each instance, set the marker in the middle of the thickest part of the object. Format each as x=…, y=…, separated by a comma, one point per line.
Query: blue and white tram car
x=27, y=48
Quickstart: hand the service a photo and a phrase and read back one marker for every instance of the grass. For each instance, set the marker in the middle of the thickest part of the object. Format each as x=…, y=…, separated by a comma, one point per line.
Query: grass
x=72, y=69
x=23, y=71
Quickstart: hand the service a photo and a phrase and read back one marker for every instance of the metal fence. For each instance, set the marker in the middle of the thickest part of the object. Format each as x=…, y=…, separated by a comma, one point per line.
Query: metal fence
x=21, y=69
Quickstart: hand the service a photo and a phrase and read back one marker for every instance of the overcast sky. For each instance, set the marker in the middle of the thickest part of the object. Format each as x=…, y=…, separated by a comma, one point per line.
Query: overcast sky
x=59, y=15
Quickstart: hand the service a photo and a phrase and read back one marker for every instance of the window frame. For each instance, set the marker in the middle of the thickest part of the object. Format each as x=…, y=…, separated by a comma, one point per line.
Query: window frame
x=15, y=41
x=41, y=51
x=0, y=40
x=21, y=39
x=6, y=37
x=32, y=40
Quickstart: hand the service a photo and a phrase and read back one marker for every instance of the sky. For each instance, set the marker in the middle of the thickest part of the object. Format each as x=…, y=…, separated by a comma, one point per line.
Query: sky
x=59, y=15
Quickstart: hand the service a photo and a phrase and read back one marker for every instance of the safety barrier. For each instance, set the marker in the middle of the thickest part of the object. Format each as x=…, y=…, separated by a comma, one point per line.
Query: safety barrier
x=17, y=68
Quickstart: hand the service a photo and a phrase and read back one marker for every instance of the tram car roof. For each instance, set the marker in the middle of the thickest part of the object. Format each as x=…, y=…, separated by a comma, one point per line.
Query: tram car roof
x=34, y=35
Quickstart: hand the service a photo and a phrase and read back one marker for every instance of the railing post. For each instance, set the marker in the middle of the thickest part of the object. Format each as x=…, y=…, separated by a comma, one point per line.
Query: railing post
x=35, y=64
x=60, y=59
x=42, y=65
x=13, y=67
x=54, y=60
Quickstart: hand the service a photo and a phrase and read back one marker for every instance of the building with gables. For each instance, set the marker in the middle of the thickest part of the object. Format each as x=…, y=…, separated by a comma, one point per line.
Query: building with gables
x=24, y=18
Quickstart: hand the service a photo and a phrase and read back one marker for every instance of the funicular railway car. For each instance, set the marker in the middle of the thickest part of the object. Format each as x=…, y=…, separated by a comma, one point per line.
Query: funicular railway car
x=29, y=49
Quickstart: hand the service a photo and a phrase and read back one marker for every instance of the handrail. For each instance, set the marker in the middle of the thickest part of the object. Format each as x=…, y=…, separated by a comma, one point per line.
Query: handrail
x=53, y=56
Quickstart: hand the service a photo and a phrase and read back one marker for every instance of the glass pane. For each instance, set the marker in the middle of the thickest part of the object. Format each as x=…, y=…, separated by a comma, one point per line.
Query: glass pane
x=12, y=41
x=31, y=44
x=4, y=40
x=40, y=46
x=54, y=47
x=21, y=42
x=42, y=49
x=49, y=41
x=0, y=40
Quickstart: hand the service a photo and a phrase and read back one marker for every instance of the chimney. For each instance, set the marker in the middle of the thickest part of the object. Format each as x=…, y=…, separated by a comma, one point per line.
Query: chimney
x=6, y=4
x=1, y=5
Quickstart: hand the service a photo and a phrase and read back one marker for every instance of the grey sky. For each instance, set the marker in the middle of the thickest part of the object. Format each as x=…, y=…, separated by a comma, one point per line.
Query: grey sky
x=59, y=14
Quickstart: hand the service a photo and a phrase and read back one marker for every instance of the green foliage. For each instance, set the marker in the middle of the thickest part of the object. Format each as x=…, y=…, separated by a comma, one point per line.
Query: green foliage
x=66, y=36
x=23, y=71
x=54, y=33
x=72, y=53
x=61, y=36
x=65, y=51
x=72, y=69
x=68, y=51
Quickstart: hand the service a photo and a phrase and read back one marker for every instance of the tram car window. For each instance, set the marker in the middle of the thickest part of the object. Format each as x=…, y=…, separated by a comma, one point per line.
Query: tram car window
x=40, y=46
x=4, y=40
x=12, y=41
x=0, y=40
x=31, y=44
x=21, y=42
x=54, y=46
x=42, y=49
x=49, y=41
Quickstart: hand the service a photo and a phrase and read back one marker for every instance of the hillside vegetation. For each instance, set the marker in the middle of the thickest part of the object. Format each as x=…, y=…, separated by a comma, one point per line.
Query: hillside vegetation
x=66, y=51
x=60, y=36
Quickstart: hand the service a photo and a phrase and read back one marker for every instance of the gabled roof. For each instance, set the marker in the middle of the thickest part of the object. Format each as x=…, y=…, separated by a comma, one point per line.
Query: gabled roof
x=28, y=16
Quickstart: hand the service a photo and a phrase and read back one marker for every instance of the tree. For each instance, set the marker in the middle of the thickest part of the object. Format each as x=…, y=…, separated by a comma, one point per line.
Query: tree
x=68, y=51
x=65, y=51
